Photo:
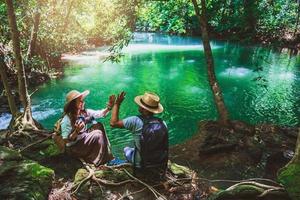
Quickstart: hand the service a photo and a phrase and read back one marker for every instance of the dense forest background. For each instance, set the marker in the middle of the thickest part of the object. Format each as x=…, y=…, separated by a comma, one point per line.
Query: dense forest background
x=34, y=35
x=49, y=28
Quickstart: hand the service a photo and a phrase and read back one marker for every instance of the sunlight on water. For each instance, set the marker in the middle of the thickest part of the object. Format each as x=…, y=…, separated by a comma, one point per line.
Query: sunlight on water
x=236, y=72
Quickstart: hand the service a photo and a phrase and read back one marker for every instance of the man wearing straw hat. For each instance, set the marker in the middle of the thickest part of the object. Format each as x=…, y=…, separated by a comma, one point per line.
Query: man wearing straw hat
x=150, y=133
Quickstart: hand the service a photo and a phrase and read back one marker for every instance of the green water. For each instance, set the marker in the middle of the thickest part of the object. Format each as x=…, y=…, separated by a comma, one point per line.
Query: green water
x=174, y=68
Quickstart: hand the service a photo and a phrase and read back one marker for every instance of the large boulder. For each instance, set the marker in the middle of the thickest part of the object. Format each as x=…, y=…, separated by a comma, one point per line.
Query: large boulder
x=21, y=178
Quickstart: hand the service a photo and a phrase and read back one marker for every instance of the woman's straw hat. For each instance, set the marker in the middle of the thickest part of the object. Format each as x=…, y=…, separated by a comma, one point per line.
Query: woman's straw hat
x=74, y=94
x=150, y=102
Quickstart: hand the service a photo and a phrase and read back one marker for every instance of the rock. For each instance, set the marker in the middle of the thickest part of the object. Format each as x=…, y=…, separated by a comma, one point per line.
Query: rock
x=181, y=183
x=238, y=152
x=21, y=178
x=290, y=178
x=37, y=78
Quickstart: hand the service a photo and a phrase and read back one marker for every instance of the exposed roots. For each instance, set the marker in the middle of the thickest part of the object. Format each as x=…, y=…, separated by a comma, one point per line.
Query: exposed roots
x=253, y=190
x=92, y=176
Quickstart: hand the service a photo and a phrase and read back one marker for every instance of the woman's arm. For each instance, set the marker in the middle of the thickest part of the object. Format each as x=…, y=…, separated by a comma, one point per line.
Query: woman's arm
x=102, y=113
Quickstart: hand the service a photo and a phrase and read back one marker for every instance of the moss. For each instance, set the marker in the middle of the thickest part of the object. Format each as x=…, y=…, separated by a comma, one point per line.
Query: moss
x=80, y=175
x=290, y=178
x=107, y=174
x=178, y=170
x=240, y=192
x=23, y=179
x=52, y=150
x=37, y=170
x=8, y=154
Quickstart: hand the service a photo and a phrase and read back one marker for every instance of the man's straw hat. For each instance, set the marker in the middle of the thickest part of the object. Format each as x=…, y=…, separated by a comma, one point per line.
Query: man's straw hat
x=74, y=94
x=150, y=102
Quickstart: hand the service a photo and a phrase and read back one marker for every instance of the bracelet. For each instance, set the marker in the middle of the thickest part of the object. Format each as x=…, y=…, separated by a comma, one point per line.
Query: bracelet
x=108, y=107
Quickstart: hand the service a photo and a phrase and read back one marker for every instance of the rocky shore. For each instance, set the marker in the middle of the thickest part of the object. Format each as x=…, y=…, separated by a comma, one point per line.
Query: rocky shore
x=237, y=153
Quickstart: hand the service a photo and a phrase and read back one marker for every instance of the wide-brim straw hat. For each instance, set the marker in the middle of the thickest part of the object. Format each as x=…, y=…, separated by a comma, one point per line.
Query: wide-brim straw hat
x=150, y=102
x=74, y=94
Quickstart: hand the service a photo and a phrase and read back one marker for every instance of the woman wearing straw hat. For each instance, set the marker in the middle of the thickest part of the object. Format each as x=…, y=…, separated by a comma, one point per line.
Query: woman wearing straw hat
x=91, y=145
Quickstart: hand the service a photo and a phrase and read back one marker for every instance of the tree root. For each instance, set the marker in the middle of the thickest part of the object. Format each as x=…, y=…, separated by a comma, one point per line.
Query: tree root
x=252, y=189
x=37, y=142
x=155, y=192
x=92, y=176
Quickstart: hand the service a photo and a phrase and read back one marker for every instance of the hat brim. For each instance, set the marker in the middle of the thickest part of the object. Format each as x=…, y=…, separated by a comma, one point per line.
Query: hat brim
x=157, y=110
x=83, y=94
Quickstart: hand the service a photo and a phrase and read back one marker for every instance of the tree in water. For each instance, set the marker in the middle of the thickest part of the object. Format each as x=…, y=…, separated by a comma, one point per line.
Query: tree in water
x=7, y=87
x=217, y=93
x=25, y=120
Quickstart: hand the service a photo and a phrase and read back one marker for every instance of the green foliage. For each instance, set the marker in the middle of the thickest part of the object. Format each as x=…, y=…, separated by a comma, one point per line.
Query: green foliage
x=174, y=16
x=244, y=19
x=68, y=26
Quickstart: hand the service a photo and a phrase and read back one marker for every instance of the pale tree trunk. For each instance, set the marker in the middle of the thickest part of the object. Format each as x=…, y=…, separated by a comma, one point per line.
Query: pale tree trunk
x=217, y=93
x=10, y=97
x=33, y=37
x=70, y=7
x=25, y=121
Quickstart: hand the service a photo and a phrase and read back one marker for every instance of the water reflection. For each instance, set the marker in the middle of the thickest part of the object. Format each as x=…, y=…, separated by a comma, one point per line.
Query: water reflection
x=174, y=67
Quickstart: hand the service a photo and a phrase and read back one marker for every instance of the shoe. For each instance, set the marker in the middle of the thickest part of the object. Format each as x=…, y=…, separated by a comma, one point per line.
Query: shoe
x=116, y=161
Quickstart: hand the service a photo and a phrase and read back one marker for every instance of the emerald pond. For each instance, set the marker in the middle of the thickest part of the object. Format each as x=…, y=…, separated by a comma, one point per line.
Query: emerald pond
x=259, y=84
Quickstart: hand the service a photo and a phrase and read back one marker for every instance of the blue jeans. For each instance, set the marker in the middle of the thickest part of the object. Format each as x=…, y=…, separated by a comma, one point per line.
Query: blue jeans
x=129, y=154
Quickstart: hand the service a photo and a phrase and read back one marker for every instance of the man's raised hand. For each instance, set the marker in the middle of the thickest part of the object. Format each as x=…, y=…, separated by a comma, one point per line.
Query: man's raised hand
x=120, y=98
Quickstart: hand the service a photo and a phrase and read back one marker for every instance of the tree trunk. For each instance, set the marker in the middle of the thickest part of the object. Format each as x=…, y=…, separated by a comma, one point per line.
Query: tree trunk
x=70, y=7
x=297, y=20
x=33, y=37
x=10, y=97
x=250, y=15
x=25, y=121
x=217, y=93
x=17, y=52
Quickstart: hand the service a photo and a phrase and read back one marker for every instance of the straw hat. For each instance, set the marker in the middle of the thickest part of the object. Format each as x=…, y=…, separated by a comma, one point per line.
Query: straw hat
x=150, y=102
x=74, y=94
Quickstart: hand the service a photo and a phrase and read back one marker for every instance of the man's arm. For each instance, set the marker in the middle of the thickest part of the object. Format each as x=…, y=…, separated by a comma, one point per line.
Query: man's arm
x=114, y=121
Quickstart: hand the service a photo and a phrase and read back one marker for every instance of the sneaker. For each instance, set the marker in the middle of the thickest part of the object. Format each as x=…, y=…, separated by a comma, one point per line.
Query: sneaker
x=116, y=161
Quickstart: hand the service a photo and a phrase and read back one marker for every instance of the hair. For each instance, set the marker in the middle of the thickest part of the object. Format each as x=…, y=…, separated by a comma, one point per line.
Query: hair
x=72, y=111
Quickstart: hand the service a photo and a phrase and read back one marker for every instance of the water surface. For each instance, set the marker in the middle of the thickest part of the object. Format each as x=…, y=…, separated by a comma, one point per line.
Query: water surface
x=174, y=67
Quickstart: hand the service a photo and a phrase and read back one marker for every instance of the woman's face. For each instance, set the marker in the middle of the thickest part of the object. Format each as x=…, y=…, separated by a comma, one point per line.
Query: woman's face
x=79, y=103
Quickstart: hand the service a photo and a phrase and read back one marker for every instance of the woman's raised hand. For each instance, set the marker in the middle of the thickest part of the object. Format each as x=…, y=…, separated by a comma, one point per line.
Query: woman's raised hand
x=111, y=101
x=120, y=98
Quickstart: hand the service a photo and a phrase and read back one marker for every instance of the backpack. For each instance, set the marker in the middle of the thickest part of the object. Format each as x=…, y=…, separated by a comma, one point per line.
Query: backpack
x=154, y=143
x=59, y=141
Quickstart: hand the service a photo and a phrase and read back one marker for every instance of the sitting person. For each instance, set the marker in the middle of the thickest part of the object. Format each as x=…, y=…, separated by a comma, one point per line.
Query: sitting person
x=150, y=134
x=90, y=144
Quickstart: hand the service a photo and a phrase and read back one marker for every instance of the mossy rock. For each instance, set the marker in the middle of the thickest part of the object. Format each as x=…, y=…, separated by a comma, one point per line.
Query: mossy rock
x=179, y=170
x=290, y=178
x=23, y=179
x=8, y=154
x=115, y=175
x=241, y=192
